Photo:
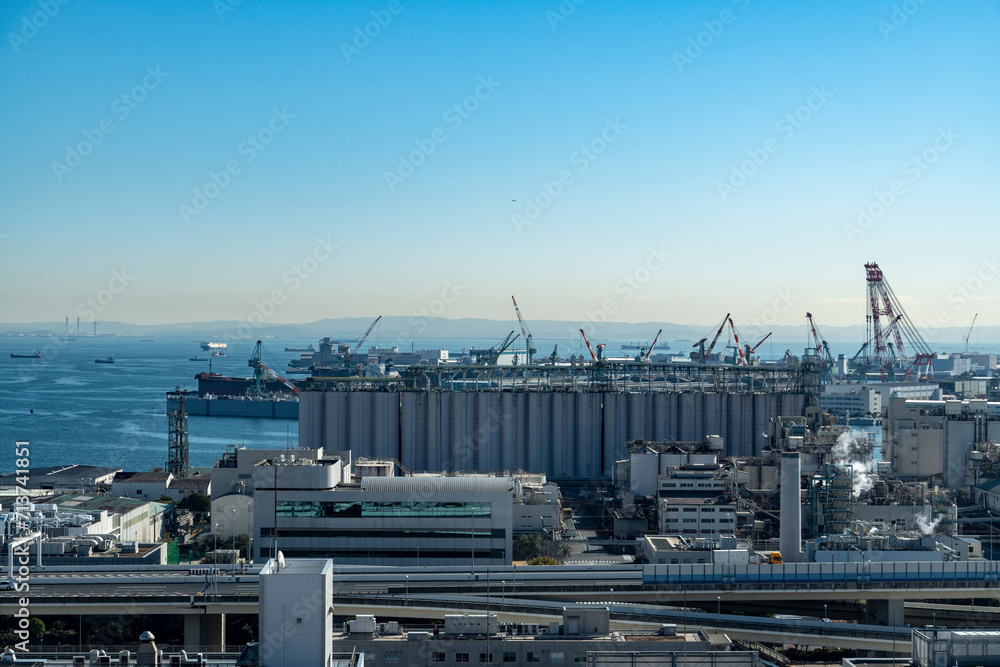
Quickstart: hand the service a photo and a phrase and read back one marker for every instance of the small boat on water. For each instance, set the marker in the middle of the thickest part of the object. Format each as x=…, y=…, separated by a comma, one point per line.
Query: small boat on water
x=109, y=360
x=198, y=358
x=218, y=354
x=36, y=355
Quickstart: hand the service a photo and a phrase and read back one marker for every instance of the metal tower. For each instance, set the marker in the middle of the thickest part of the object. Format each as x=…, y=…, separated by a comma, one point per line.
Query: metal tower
x=177, y=443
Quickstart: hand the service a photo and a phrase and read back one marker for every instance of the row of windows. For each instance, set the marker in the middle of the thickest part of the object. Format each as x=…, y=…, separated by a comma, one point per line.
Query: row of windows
x=373, y=509
x=462, y=555
x=508, y=656
x=444, y=533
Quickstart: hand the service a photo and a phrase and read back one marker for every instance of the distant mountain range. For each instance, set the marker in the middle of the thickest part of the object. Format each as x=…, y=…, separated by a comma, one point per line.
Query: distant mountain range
x=405, y=329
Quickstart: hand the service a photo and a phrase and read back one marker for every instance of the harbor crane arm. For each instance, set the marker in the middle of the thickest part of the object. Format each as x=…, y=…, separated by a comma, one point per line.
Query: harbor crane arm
x=754, y=348
x=363, y=338
x=970, y=332
x=529, y=350
x=650, y=350
x=739, y=348
x=716, y=339
x=587, y=341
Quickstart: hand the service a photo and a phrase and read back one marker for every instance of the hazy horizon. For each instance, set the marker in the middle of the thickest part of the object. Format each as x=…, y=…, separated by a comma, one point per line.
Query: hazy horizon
x=631, y=162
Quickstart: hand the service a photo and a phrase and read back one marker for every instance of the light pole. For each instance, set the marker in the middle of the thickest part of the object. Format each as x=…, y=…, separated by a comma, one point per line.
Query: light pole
x=503, y=594
x=934, y=620
x=407, y=590
x=718, y=607
x=236, y=552
x=991, y=533
x=824, y=612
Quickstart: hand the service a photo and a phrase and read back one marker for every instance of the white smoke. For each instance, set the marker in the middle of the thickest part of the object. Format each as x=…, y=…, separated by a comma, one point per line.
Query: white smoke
x=849, y=450
x=928, y=527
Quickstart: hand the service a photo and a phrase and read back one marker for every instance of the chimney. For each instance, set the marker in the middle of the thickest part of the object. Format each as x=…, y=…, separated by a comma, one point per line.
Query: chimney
x=790, y=541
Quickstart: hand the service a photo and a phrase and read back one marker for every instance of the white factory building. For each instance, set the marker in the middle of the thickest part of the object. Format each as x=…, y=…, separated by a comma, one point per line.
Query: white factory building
x=310, y=509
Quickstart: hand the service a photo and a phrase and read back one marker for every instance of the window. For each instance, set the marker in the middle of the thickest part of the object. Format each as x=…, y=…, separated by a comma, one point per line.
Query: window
x=461, y=657
x=438, y=656
x=690, y=520
x=510, y=656
x=138, y=492
x=557, y=656
x=690, y=509
x=579, y=657
x=534, y=656
x=485, y=658
x=391, y=658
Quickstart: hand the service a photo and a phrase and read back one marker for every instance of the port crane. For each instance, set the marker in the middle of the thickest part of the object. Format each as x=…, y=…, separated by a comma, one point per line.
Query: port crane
x=529, y=349
x=975, y=317
x=702, y=352
x=739, y=346
x=645, y=354
x=751, y=349
x=600, y=348
x=261, y=373
x=491, y=355
x=352, y=351
x=823, y=349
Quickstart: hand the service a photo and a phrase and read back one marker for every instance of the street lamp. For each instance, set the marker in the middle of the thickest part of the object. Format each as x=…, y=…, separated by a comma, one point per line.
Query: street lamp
x=612, y=600
x=503, y=594
x=236, y=551
x=718, y=607
x=407, y=589
x=824, y=612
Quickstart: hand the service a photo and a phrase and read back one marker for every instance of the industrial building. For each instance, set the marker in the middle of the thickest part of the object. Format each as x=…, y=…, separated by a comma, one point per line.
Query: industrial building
x=304, y=508
x=569, y=422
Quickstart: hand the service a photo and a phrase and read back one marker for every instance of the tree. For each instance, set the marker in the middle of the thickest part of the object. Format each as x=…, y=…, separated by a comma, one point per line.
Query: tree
x=526, y=547
x=543, y=560
x=196, y=502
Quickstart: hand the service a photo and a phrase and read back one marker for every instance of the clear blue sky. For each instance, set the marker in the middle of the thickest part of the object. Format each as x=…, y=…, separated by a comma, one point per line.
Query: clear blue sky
x=674, y=127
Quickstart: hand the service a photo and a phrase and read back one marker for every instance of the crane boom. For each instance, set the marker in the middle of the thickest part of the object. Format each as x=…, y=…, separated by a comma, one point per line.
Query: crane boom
x=736, y=336
x=970, y=332
x=587, y=341
x=650, y=350
x=716, y=339
x=365, y=336
x=754, y=348
x=528, y=349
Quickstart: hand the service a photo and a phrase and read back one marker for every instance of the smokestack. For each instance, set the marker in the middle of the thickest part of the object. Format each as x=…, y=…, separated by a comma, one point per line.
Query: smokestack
x=77, y=325
x=790, y=540
x=95, y=328
x=67, y=325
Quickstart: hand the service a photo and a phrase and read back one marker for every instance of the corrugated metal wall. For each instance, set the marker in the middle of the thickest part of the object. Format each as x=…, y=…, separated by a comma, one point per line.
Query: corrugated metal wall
x=563, y=434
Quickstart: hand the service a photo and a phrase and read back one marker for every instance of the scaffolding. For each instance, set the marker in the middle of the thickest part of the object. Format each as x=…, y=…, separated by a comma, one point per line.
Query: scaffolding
x=831, y=501
x=177, y=443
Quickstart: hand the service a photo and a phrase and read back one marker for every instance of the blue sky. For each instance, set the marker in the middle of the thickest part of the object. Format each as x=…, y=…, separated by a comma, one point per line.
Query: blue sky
x=666, y=216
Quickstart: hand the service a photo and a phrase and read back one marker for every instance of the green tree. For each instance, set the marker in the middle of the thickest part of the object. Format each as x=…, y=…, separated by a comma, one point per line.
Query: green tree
x=543, y=560
x=196, y=502
x=527, y=547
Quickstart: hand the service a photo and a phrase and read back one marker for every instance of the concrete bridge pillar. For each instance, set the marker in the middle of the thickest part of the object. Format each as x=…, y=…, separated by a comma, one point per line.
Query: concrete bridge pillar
x=886, y=612
x=205, y=632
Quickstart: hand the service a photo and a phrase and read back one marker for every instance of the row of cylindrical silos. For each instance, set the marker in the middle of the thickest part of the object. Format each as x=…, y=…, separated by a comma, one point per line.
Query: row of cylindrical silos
x=567, y=435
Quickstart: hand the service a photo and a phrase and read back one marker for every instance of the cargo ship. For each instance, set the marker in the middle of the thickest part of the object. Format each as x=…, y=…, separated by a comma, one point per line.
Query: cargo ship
x=311, y=348
x=109, y=360
x=265, y=395
x=36, y=355
x=214, y=345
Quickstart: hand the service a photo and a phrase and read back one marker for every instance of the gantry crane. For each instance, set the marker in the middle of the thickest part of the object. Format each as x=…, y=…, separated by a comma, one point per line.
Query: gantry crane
x=751, y=349
x=600, y=348
x=645, y=357
x=528, y=347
